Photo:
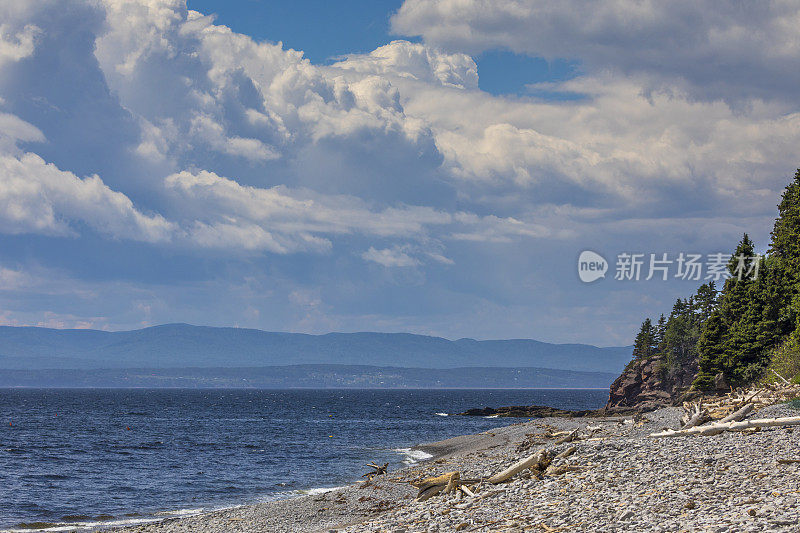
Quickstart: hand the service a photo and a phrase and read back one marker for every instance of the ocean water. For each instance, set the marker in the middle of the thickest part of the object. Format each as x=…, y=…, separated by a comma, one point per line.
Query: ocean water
x=83, y=457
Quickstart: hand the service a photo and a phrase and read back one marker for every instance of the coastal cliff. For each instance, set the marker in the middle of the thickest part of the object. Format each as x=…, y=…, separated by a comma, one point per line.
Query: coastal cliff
x=647, y=385
x=745, y=333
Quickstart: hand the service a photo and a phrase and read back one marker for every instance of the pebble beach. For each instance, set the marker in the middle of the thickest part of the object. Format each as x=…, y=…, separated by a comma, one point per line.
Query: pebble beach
x=618, y=479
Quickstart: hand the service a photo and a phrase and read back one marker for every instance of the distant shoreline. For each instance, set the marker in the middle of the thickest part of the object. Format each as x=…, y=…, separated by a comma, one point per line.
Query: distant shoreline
x=327, y=376
x=294, y=388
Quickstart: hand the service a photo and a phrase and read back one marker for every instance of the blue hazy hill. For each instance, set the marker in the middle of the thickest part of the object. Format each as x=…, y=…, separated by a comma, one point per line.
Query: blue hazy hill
x=183, y=345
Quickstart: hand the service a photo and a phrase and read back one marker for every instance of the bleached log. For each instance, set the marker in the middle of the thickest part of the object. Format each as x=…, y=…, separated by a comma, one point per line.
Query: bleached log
x=754, y=395
x=561, y=469
x=698, y=415
x=377, y=470
x=446, y=483
x=719, y=427
x=434, y=485
x=566, y=453
x=569, y=437
x=452, y=483
x=786, y=381
x=537, y=460
x=739, y=414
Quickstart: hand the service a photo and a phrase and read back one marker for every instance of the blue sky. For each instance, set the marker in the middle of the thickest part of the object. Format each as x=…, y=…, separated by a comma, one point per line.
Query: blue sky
x=425, y=166
x=325, y=31
x=322, y=30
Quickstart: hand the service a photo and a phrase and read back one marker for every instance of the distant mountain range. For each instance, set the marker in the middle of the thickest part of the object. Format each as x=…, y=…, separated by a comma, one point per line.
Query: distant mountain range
x=181, y=345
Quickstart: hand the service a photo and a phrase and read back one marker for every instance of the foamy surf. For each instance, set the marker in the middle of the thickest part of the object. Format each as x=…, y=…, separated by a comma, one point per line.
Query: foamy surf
x=78, y=526
x=413, y=456
x=118, y=522
x=318, y=490
x=181, y=512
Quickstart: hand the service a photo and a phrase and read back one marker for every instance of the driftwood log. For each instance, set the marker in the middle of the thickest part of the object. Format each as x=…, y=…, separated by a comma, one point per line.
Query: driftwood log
x=452, y=481
x=739, y=414
x=569, y=437
x=376, y=470
x=446, y=483
x=434, y=485
x=566, y=453
x=785, y=381
x=729, y=411
x=538, y=461
x=695, y=415
x=719, y=427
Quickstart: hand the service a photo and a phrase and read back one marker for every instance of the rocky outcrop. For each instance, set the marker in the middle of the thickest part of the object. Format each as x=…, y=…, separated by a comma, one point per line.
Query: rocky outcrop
x=646, y=385
x=526, y=411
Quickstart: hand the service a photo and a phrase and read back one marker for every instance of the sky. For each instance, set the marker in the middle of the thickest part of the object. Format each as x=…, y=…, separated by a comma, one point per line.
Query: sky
x=435, y=167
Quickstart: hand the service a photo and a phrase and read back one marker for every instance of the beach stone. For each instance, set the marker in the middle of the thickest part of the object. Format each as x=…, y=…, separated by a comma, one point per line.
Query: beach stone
x=632, y=483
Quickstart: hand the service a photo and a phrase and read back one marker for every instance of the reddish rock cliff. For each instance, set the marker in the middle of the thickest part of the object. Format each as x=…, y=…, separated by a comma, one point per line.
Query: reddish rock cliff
x=649, y=384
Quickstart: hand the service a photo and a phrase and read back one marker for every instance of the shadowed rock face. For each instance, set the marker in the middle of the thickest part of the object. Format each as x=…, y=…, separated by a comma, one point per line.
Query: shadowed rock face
x=649, y=384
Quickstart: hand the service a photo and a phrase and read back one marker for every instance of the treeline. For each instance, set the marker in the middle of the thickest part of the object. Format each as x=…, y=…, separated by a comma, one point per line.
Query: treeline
x=752, y=323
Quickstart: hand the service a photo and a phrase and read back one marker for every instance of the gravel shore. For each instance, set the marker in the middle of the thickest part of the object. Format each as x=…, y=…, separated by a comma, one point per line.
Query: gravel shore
x=621, y=481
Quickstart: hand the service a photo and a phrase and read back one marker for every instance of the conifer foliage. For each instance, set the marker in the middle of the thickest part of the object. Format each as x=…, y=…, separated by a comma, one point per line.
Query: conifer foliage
x=736, y=331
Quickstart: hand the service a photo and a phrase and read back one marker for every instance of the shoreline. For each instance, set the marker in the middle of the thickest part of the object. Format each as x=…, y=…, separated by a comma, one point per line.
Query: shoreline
x=622, y=481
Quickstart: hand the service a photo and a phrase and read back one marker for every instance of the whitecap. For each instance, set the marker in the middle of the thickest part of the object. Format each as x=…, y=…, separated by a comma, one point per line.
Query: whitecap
x=181, y=512
x=320, y=490
x=413, y=456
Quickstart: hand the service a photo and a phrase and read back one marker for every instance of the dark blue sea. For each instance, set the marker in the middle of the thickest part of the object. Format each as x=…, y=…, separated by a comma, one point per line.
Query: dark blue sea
x=89, y=456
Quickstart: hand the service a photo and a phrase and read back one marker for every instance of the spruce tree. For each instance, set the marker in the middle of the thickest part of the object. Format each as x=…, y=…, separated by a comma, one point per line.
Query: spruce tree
x=784, y=261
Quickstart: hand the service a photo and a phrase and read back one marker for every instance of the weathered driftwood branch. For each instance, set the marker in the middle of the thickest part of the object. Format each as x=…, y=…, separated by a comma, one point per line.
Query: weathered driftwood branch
x=566, y=453
x=452, y=481
x=786, y=381
x=446, y=483
x=695, y=415
x=754, y=395
x=538, y=461
x=434, y=485
x=377, y=471
x=719, y=427
x=569, y=437
x=738, y=414
x=561, y=469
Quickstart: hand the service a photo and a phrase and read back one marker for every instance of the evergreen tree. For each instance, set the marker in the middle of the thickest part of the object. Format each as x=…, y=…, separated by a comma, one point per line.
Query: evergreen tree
x=758, y=312
x=645, y=345
x=661, y=328
x=784, y=261
x=786, y=231
x=705, y=301
x=736, y=330
x=710, y=350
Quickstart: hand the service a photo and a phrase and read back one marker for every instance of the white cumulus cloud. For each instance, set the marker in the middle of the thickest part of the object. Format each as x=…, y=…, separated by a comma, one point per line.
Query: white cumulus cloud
x=730, y=50
x=36, y=197
x=418, y=62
